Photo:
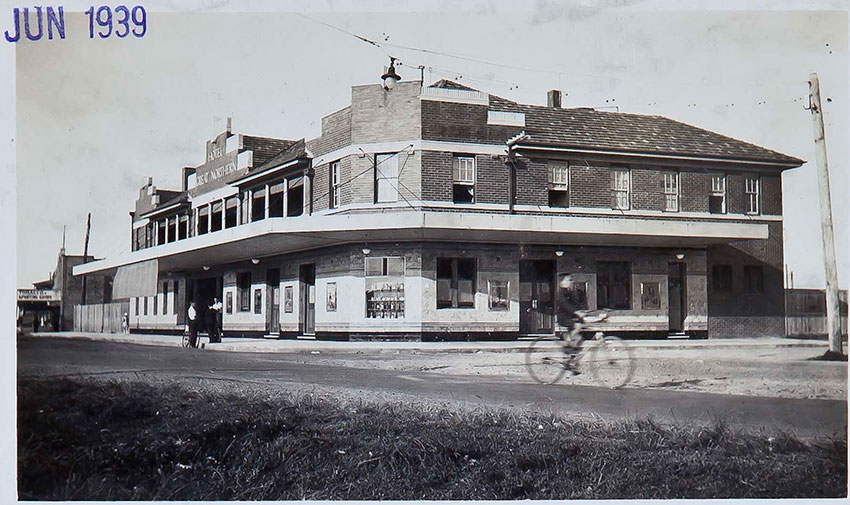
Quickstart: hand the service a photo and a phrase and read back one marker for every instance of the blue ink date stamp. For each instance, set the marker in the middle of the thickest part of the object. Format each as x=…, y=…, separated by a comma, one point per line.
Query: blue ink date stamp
x=104, y=21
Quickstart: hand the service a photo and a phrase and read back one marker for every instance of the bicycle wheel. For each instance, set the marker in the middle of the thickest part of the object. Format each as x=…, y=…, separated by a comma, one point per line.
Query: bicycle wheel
x=186, y=341
x=610, y=362
x=545, y=360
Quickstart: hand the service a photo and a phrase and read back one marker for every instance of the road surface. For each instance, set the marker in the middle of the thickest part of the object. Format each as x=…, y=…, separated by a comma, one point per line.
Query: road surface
x=65, y=357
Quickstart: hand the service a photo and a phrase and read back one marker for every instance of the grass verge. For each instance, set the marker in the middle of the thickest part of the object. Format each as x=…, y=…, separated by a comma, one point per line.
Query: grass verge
x=96, y=440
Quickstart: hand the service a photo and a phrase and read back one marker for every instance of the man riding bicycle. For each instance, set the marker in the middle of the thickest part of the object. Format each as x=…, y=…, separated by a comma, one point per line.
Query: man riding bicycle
x=573, y=308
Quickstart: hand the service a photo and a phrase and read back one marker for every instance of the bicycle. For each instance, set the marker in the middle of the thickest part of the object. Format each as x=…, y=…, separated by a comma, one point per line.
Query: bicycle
x=608, y=359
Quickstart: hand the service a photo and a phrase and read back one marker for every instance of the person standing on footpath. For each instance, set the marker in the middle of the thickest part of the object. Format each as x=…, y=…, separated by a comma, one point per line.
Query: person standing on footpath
x=193, y=328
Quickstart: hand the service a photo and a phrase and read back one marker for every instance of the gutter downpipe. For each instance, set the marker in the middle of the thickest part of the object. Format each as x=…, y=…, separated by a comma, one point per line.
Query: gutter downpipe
x=512, y=169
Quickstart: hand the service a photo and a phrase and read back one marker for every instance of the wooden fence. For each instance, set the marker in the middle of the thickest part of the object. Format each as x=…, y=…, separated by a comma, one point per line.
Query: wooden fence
x=101, y=317
x=805, y=312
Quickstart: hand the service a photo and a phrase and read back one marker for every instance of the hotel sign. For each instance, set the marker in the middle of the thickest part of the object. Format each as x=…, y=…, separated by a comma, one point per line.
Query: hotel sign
x=38, y=295
x=222, y=165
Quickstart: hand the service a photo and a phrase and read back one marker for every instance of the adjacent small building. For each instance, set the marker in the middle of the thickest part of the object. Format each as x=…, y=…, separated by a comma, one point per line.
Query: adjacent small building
x=443, y=212
x=49, y=305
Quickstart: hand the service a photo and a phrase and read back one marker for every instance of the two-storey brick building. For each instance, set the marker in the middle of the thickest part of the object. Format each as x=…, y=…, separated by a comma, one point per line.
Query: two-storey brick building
x=445, y=212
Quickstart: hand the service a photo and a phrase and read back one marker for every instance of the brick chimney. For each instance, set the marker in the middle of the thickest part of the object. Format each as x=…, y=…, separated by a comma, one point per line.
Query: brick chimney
x=553, y=98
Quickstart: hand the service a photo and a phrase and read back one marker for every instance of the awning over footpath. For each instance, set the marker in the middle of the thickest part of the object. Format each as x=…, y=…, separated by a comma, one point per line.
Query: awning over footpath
x=137, y=279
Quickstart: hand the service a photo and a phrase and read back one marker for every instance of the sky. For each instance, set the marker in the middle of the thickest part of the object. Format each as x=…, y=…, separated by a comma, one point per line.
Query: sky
x=94, y=117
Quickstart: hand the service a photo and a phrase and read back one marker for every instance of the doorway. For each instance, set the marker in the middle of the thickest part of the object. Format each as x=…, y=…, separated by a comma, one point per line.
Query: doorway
x=677, y=297
x=536, y=300
x=307, y=277
x=273, y=301
x=203, y=293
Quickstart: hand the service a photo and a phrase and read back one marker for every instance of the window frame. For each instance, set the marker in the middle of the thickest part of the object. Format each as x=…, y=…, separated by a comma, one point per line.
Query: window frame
x=454, y=283
x=754, y=284
x=753, y=193
x=380, y=159
x=616, y=190
x=718, y=192
x=721, y=275
x=559, y=186
x=466, y=181
x=609, y=278
x=243, y=291
x=671, y=189
x=334, y=175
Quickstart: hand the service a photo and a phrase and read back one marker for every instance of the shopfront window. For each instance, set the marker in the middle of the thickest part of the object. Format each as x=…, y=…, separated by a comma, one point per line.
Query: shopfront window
x=243, y=291
x=456, y=278
x=613, y=285
x=385, y=287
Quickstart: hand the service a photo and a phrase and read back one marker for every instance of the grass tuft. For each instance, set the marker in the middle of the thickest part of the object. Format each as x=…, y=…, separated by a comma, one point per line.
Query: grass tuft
x=95, y=440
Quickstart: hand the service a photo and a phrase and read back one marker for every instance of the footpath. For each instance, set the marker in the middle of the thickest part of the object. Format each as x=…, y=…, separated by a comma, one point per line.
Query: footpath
x=274, y=345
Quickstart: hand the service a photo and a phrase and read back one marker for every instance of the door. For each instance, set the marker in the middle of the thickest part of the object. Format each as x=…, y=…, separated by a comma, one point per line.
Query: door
x=536, y=300
x=273, y=301
x=676, y=292
x=308, y=298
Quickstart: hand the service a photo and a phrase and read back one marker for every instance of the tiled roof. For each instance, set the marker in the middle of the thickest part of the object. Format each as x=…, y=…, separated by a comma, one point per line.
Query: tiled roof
x=297, y=149
x=445, y=83
x=604, y=130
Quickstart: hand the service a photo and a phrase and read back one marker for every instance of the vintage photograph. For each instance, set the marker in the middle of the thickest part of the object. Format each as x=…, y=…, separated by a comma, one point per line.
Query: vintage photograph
x=453, y=251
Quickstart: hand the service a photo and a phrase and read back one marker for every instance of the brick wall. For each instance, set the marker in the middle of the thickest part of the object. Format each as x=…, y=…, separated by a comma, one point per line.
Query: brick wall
x=382, y=116
x=771, y=195
x=336, y=132
x=736, y=201
x=491, y=179
x=532, y=182
x=647, y=189
x=590, y=186
x=437, y=176
x=744, y=314
x=461, y=122
x=694, y=190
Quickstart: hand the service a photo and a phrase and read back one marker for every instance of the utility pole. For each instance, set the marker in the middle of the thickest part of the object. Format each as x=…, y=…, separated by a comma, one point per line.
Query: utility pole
x=86, y=256
x=833, y=317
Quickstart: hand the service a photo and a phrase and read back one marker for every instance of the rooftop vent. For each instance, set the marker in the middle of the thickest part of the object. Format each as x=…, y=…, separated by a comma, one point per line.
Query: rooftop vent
x=553, y=98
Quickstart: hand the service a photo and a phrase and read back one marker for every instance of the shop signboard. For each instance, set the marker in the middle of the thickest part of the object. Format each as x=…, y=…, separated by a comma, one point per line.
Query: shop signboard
x=38, y=295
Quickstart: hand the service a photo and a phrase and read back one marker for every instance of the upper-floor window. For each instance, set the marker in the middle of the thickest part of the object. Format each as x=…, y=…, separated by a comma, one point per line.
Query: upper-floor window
x=160, y=232
x=386, y=178
x=203, y=219
x=295, y=195
x=230, y=211
x=334, y=175
x=751, y=187
x=276, y=199
x=215, y=216
x=559, y=184
x=258, y=203
x=463, y=179
x=717, y=198
x=671, y=191
x=620, y=186
x=171, y=226
x=182, y=226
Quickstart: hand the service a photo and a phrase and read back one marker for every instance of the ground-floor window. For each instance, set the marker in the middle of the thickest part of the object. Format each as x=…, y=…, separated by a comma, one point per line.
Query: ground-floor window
x=146, y=306
x=165, y=298
x=754, y=278
x=498, y=294
x=650, y=295
x=229, y=303
x=385, y=287
x=456, y=282
x=613, y=285
x=243, y=291
x=258, y=301
x=721, y=278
